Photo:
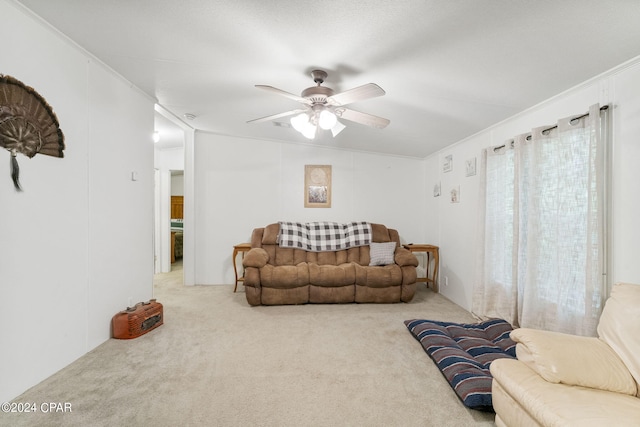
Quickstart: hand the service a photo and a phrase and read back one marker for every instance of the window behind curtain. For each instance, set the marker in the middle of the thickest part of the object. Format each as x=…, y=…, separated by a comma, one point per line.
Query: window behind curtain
x=540, y=263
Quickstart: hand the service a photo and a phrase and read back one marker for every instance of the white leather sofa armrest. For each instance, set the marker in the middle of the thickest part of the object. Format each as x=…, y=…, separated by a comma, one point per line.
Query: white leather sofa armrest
x=573, y=360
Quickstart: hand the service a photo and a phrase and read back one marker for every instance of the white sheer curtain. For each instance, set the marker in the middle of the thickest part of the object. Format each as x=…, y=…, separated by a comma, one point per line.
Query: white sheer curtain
x=540, y=262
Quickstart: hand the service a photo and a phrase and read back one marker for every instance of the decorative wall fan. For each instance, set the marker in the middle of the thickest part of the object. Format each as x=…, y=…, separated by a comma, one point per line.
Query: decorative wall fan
x=323, y=109
x=28, y=124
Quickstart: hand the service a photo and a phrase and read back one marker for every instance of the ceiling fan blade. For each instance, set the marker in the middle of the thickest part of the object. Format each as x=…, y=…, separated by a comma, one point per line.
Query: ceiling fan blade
x=277, y=116
x=370, y=90
x=283, y=93
x=362, y=118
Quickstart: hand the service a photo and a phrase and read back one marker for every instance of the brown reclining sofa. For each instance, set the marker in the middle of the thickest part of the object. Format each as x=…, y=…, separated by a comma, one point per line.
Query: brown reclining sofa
x=276, y=275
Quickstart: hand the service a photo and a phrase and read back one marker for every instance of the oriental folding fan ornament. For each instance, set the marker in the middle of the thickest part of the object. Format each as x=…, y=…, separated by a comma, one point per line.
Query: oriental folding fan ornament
x=28, y=124
x=322, y=108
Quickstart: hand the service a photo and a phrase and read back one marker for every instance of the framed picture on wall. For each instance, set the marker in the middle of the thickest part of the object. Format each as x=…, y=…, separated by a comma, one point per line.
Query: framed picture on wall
x=317, y=186
x=471, y=167
x=455, y=194
x=436, y=189
x=447, y=165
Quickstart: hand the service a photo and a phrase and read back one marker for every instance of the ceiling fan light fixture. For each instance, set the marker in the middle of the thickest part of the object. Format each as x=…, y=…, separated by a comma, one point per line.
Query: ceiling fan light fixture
x=298, y=122
x=309, y=131
x=327, y=120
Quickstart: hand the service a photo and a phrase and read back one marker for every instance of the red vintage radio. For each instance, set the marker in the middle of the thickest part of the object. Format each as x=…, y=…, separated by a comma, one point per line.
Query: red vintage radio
x=137, y=320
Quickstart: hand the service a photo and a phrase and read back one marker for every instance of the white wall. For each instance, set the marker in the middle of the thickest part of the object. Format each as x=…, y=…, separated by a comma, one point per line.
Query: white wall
x=177, y=185
x=77, y=243
x=169, y=159
x=242, y=184
x=454, y=226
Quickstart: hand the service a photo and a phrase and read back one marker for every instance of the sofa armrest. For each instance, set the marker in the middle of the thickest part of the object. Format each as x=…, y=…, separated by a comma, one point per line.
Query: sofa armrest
x=573, y=360
x=256, y=257
x=404, y=257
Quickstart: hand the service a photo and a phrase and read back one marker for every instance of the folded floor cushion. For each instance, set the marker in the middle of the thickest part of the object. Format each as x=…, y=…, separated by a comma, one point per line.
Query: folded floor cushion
x=464, y=352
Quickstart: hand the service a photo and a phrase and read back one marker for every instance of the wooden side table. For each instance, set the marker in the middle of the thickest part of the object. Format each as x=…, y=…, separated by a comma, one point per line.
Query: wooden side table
x=239, y=248
x=431, y=251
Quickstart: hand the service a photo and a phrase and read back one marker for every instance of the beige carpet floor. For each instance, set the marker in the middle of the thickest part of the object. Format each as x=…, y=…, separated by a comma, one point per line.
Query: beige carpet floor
x=219, y=362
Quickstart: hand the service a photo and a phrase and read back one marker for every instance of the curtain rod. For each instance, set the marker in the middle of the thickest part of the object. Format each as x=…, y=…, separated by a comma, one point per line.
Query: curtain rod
x=603, y=108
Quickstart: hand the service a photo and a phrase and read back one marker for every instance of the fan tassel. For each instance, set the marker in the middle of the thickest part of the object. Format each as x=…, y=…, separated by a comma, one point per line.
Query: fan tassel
x=15, y=172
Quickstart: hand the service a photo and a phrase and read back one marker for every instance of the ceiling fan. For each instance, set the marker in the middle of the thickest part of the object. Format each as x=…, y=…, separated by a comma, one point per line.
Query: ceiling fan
x=322, y=108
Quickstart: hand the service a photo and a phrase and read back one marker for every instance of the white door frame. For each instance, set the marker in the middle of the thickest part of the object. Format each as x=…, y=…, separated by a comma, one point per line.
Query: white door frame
x=164, y=193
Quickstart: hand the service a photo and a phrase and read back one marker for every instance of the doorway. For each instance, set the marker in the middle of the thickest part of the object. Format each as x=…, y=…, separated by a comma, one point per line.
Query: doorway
x=177, y=218
x=169, y=194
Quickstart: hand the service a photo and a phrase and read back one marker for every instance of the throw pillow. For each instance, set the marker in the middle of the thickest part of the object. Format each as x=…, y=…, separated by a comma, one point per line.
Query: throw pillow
x=382, y=253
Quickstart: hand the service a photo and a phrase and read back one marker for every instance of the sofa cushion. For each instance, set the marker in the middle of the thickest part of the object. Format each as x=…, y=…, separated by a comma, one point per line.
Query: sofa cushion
x=368, y=294
x=287, y=256
x=280, y=296
x=331, y=295
x=358, y=255
x=332, y=275
x=573, y=360
x=518, y=387
x=380, y=233
x=270, y=234
x=619, y=326
x=382, y=253
x=284, y=276
x=464, y=352
x=379, y=276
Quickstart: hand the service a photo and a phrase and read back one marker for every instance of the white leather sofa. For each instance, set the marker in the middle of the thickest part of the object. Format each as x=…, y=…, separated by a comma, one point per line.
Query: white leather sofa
x=568, y=380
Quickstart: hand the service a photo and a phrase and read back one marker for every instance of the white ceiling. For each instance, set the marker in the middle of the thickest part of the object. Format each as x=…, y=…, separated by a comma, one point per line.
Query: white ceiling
x=450, y=67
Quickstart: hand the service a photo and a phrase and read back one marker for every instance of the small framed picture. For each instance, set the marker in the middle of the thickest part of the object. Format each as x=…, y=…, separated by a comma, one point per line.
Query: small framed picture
x=436, y=189
x=455, y=194
x=471, y=167
x=447, y=165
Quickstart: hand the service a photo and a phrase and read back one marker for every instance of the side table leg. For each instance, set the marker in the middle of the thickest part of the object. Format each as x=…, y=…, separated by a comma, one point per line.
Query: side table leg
x=436, y=261
x=426, y=268
x=235, y=268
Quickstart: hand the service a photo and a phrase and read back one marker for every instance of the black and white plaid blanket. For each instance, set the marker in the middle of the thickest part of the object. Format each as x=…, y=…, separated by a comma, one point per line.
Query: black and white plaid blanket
x=324, y=236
